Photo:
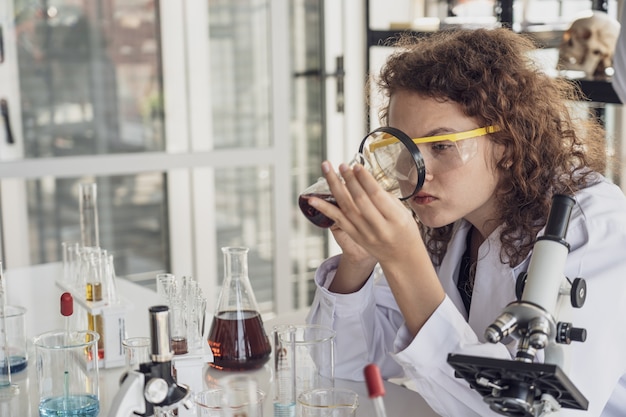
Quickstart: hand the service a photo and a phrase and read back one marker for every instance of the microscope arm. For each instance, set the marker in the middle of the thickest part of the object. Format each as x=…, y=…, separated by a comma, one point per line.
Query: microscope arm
x=129, y=399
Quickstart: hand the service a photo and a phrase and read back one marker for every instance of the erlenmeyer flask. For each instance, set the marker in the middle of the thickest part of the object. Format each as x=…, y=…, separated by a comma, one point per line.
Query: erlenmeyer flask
x=237, y=337
x=321, y=189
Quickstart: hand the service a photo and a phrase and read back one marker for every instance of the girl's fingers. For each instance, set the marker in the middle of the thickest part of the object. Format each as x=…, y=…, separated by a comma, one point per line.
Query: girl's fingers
x=371, y=198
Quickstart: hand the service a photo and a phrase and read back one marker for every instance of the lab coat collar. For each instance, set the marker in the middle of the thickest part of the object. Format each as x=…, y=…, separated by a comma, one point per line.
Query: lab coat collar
x=494, y=286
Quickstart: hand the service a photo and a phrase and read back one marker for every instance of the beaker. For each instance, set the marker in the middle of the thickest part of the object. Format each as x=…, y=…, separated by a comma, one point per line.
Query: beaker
x=136, y=351
x=237, y=337
x=303, y=360
x=236, y=395
x=7, y=388
x=67, y=373
x=14, y=335
x=328, y=402
x=242, y=396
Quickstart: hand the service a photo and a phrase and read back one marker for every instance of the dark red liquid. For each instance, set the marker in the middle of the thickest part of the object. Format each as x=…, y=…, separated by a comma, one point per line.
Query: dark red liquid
x=314, y=215
x=179, y=345
x=238, y=341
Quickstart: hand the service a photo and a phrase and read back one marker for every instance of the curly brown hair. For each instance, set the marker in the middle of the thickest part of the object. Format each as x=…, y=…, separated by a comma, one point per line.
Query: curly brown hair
x=549, y=148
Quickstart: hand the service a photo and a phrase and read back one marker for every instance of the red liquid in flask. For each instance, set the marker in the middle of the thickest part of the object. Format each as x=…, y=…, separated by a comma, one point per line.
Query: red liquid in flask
x=238, y=341
x=314, y=215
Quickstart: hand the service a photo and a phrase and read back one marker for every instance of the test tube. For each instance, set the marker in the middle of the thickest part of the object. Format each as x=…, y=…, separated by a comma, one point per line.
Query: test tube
x=285, y=373
x=95, y=322
x=88, y=207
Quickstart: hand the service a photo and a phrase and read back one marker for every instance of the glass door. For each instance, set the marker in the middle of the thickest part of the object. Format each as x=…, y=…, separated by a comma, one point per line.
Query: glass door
x=328, y=113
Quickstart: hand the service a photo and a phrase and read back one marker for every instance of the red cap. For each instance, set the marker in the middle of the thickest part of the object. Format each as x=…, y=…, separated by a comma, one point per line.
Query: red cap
x=67, y=304
x=374, y=381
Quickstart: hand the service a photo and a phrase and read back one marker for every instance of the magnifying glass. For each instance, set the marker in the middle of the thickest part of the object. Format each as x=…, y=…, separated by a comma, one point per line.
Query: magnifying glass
x=392, y=158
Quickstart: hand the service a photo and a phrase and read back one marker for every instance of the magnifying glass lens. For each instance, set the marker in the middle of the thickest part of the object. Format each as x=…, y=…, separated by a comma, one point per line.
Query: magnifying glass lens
x=396, y=162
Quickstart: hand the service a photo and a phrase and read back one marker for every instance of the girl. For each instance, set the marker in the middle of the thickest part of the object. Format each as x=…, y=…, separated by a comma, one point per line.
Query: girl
x=412, y=286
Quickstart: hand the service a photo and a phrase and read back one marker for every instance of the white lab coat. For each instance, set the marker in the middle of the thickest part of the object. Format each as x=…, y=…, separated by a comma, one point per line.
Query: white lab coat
x=370, y=327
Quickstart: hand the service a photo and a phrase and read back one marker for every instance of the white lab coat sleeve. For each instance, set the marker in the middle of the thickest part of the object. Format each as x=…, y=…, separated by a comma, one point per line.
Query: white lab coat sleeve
x=423, y=361
x=619, y=60
x=367, y=321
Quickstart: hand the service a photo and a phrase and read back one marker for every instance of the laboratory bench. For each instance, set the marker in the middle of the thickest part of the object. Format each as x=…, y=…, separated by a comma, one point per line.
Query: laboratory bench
x=35, y=289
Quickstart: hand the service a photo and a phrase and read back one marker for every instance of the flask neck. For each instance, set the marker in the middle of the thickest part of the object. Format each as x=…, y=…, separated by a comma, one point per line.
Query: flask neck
x=236, y=293
x=235, y=263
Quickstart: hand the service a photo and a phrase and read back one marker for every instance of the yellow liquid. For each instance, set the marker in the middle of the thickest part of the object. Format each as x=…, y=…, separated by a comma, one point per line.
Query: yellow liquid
x=95, y=323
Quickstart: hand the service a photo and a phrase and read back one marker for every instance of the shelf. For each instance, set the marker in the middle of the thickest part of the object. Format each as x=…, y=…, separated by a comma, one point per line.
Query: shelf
x=546, y=37
x=596, y=91
x=599, y=91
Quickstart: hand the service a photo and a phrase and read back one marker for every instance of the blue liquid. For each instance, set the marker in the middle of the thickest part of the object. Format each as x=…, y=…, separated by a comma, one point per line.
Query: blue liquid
x=18, y=364
x=284, y=410
x=71, y=406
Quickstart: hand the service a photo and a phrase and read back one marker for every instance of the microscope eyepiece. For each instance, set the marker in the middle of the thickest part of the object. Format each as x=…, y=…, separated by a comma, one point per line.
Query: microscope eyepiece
x=161, y=350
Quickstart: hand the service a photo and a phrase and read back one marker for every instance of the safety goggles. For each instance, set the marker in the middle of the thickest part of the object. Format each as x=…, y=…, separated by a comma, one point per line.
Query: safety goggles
x=399, y=162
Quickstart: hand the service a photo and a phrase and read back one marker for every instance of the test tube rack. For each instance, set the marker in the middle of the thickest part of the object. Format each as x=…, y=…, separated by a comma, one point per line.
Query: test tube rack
x=113, y=320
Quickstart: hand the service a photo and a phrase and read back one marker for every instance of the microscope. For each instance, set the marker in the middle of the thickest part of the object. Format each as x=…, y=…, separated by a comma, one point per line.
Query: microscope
x=522, y=387
x=153, y=384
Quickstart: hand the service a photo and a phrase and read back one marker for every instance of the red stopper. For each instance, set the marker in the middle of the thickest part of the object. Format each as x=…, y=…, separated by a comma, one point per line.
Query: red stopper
x=374, y=381
x=67, y=304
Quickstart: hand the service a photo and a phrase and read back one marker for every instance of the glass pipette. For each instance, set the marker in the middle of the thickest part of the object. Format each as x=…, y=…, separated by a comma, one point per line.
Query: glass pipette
x=285, y=374
x=375, y=388
x=67, y=309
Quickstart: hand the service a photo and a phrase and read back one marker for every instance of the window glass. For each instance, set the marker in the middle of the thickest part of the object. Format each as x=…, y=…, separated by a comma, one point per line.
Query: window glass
x=243, y=206
x=89, y=84
x=90, y=77
x=308, y=146
x=132, y=221
x=240, y=73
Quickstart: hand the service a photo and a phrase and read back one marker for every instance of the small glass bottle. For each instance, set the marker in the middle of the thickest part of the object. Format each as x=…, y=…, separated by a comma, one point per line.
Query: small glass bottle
x=237, y=337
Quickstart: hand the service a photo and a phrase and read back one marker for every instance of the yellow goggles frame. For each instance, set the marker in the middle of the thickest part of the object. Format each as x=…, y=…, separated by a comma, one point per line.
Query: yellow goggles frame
x=453, y=137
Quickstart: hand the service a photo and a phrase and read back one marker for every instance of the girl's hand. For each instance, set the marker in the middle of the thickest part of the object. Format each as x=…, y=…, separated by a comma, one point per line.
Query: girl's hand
x=368, y=216
x=355, y=265
x=352, y=252
x=382, y=226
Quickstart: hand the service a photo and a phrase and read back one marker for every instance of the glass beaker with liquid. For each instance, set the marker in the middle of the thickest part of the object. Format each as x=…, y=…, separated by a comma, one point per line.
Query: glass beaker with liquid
x=67, y=373
x=392, y=158
x=237, y=337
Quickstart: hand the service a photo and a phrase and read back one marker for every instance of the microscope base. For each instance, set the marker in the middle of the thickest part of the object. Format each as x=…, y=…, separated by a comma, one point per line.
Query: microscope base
x=522, y=383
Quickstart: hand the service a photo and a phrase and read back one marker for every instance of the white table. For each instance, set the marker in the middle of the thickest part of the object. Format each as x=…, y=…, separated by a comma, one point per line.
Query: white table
x=35, y=289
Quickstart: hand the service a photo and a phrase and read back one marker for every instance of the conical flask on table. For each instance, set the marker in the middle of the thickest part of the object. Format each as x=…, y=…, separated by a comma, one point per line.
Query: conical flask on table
x=237, y=337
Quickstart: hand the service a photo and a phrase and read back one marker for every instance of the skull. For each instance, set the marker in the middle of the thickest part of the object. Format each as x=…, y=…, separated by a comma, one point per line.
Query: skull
x=589, y=44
